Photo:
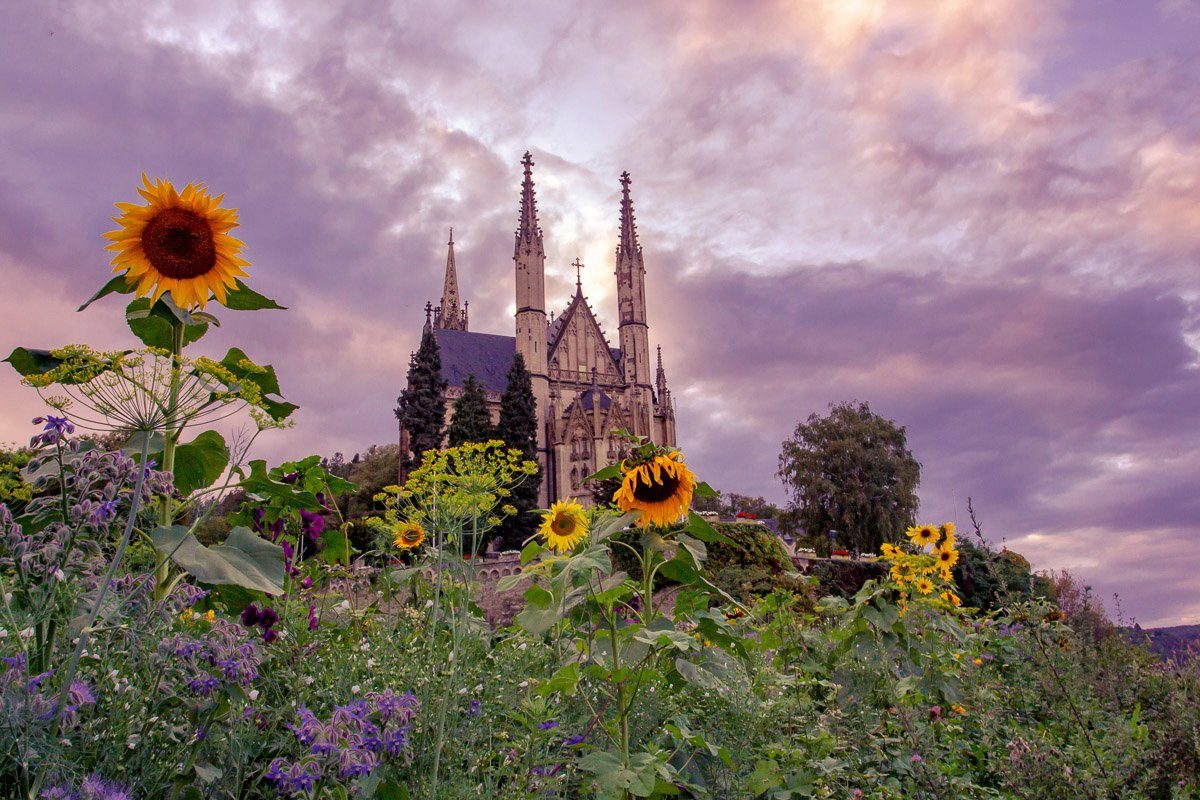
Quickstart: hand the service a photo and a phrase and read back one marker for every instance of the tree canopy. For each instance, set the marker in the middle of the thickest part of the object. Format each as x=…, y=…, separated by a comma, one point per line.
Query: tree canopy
x=471, y=421
x=851, y=472
x=422, y=404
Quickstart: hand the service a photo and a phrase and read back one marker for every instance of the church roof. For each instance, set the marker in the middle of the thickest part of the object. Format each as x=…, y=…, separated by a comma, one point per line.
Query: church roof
x=588, y=400
x=484, y=355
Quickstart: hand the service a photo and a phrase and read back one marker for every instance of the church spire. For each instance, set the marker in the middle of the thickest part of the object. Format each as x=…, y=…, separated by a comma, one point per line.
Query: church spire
x=452, y=313
x=628, y=245
x=529, y=235
x=660, y=379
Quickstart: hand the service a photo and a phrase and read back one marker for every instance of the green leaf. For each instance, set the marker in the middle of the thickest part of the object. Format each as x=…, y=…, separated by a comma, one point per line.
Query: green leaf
x=155, y=324
x=529, y=552
x=244, y=559
x=334, y=547
x=698, y=527
x=242, y=298
x=117, y=284
x=390, y=790
x=263, y=376
x=604, y=474
x=200, y=462
x=704, y=490
x=565, y=680
x=32, y=362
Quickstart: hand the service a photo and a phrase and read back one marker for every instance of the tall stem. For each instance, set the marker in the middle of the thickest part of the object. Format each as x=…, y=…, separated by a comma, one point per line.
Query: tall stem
x=170, y=439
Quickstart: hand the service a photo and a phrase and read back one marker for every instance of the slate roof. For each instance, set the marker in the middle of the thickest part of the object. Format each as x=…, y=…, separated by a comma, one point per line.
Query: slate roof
x=588, y=400
x=484, y=355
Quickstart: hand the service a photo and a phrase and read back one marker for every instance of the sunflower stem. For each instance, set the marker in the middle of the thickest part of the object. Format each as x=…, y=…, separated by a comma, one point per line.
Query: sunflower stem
x=170, y=440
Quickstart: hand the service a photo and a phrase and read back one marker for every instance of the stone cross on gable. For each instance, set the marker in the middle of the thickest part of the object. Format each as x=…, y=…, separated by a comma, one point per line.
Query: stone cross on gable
x=578, y=265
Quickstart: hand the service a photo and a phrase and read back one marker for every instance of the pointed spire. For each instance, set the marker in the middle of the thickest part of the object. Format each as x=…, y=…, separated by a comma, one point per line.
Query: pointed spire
x=660, y=379
x=428, y=314
x=528, y=232
x=449, y=315
x=628, y=245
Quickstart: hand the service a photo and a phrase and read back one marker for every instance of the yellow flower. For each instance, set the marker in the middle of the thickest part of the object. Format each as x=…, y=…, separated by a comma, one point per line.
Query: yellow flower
x=888, y=550
x=949, y=537
x=178, y=242
x=946, y=573
x=903, y=573
x=564, y=526
x=977, y=661
x=924, y=585
x=660, y=488
x=922, y=535
x=409, y=534
x=951, y=598
x=957, y=709
x=186, y=615
x=210, y=615
x=946, y=555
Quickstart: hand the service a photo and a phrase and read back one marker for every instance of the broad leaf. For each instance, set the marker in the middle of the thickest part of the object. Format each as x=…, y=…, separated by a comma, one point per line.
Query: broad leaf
x=117, y=284
x=263, y=376
x=604, y=474
x=32, y=362
x=155, y=324
x=243, y=298
x=244, y=559
x=200, y=462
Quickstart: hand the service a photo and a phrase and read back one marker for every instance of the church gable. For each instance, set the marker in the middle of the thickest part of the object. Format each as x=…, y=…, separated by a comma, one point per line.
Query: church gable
x=579, y=346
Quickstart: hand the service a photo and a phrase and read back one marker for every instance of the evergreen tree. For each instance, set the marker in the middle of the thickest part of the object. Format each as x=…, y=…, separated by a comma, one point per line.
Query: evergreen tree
x=471, y=421
x=422, y=404
x=518, y=429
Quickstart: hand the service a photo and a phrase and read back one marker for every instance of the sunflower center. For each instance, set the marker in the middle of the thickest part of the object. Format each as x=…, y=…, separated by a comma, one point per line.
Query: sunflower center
x=412, y=536
x=563, y=525
x=647, y=490
x=179, y=244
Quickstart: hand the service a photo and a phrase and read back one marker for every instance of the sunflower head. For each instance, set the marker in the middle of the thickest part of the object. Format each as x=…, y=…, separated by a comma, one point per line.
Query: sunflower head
x=924, y=585
x=903, y=573
x=922, y=535
x=660, y=487
x=949, y=535
x=408, y=535
x=177, y=242
x=564, y=526
x=946, y=555
x=951, y=598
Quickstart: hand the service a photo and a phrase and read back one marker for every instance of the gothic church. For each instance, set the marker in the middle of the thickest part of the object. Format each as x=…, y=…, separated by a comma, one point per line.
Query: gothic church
x=585, y=388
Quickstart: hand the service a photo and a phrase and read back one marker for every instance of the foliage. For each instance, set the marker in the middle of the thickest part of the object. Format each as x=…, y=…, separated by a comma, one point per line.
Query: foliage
x=517, y=428
x=731, y=504
x=13, y=488
x=851, y=472
x=421, y=407
x=749, y=562
x=472, y=422
x=990, y=581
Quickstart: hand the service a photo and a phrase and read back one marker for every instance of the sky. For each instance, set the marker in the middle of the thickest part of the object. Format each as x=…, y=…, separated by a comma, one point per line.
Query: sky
x=981, y=218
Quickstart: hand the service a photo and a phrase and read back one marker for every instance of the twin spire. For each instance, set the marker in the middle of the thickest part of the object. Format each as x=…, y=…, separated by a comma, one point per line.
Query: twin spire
x=451, y=315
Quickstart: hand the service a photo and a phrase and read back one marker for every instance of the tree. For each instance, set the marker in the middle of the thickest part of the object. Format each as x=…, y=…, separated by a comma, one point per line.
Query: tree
x=517, y=428
x=422, y=404
x=471, y=421
x=851, y=472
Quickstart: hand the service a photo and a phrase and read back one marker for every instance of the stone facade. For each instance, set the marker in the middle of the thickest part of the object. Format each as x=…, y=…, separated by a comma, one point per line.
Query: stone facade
x=585, y=388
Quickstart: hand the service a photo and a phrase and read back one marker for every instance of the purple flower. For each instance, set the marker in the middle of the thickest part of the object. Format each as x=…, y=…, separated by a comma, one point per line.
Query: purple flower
x=291, y=477
x=302, y=777
x=270, y=636
x=96, y=788
x=103, y=512
x=475, y=709
x=313, y=524
x=354, y=761
x=250, y=616
x=571, y=741
x=267, y=617
x=547, y=725
x=313, y=621
x=57, y=793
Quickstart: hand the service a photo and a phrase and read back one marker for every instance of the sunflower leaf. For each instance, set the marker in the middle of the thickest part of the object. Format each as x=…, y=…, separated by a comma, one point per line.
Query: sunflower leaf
x=607, y=473
x=200, y=462
x=242, y=298
x=155, y=324
x=32, y=362
x=244, y=559
x=117, y=284
x=263, y=376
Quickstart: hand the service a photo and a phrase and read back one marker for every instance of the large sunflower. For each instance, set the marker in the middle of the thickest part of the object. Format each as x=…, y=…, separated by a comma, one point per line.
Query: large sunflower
x=409, y=534
x=178, y=242
x=922, y=535
x=660, y=488
x=564, y=526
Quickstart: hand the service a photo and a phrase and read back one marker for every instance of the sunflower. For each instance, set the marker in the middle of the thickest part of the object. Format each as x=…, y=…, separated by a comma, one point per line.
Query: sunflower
x=947, y=556
x=408, y=535
x=888, y=550
x=946, y=573
x=178, y=242
x=924, y=585
x=922, y=535
x=951, y=598
x=949, y=536
x=564, y=526
x=660, y=488
x=903, y=573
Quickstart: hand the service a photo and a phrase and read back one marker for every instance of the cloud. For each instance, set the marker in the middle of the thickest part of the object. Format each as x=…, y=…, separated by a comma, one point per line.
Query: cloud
x=983, y=219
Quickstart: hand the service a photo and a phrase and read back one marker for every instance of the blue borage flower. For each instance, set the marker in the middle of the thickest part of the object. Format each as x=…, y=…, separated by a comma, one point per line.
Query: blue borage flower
x=357, y=738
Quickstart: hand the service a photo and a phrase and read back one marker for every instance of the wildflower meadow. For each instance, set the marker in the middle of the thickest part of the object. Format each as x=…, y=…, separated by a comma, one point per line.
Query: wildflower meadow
x=301, y=655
